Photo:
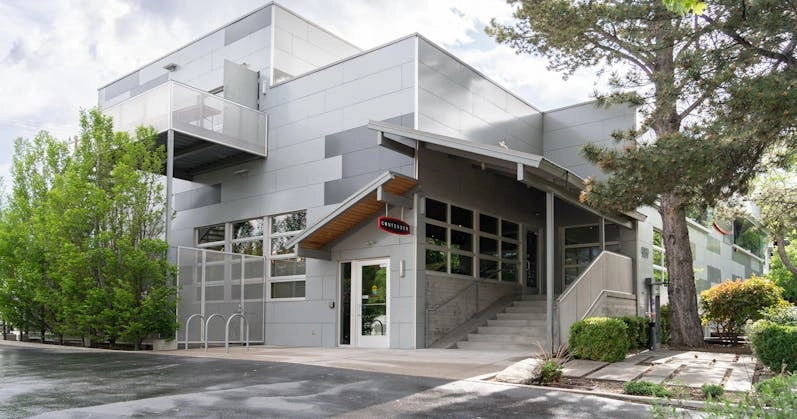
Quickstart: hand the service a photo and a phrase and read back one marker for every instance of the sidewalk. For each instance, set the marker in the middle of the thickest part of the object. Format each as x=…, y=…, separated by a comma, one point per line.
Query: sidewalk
x=448, y=364
x=687, y=368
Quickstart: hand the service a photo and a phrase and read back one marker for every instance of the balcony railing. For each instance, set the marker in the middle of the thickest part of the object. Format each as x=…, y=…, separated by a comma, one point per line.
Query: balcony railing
x=173, y=105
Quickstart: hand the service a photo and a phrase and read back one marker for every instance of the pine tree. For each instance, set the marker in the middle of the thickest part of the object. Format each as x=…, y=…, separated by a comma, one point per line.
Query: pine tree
x=695, y=78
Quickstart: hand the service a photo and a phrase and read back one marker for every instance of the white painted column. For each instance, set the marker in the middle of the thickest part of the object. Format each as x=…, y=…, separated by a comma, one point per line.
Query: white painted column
x=549, y=261
x=602, y=233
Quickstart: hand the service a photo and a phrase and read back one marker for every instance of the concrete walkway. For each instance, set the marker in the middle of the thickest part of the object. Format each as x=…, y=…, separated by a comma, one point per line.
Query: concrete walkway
x=687, y=368
x=438, y=363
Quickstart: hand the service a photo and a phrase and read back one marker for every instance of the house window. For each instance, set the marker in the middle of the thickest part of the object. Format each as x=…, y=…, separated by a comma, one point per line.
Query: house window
x=659, y=258
x=286, y=270
x=453, y=234
x=211, y=237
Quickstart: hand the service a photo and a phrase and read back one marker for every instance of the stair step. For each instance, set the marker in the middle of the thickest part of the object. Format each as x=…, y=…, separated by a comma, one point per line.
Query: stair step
x=520, y=316
x=533, y=297
x=525, y=309
x=516, y=330
x=529, y=303
x=497, y=346
x=516, y=322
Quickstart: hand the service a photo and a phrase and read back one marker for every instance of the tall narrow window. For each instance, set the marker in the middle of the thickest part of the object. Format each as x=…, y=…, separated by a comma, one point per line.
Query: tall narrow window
x=286, y=270
x=659, y=258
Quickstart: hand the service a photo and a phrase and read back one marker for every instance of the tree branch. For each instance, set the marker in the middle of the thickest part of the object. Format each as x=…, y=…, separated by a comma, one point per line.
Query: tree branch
x=779, y=57
x=784, y=257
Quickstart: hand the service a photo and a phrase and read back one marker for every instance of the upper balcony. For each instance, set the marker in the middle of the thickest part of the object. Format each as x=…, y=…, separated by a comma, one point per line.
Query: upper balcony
x=209, y=132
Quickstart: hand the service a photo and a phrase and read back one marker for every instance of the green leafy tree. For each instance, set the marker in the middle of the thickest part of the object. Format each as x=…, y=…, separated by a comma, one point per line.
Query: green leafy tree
x=28, y=292
x=82, y=252
x=692, y=77
x=780, y=274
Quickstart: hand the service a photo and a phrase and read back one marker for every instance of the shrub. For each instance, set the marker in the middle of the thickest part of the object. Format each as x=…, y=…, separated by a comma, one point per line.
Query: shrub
x=774, y=344
x=551, y=372
x=773, y=398
x=712, y=391
x=665, y=323
x=780, y=315
x=645, y=388
x=637, y=330
x=730, y=304
x=599, y=339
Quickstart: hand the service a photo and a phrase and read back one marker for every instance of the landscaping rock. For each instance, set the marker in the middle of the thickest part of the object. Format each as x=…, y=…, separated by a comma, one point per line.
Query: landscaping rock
x=526, y=371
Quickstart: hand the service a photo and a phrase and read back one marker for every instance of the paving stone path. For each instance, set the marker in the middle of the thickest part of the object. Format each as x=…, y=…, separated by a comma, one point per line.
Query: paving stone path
x=688, y=368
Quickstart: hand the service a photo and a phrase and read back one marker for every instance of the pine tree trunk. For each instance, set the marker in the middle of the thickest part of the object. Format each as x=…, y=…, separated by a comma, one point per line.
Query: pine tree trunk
x=685, y=329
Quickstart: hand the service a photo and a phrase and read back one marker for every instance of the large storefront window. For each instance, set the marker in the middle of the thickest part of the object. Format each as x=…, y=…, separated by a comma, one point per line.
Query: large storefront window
x=286, y=270
x=453, y=234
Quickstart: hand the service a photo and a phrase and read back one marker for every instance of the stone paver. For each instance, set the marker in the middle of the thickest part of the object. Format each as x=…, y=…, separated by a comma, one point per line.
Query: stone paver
x=696, y=376
x=741, y=378
x=658, y=373
x=581, y=367
x=690, y=368
x=619, y=371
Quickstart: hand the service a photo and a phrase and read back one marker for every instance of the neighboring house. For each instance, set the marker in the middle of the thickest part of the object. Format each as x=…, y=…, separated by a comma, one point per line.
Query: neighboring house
x=286, y=143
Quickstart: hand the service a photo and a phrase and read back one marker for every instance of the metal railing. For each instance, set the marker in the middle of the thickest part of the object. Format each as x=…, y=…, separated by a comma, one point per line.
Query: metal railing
x=173, y=105
x=220, y=284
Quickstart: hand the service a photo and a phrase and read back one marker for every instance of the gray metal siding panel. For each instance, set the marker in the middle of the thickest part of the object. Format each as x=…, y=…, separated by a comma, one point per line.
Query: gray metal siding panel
x=247, y=25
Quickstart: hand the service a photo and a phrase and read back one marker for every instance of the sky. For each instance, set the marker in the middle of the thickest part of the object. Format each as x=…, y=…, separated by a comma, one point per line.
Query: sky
x=55, y=54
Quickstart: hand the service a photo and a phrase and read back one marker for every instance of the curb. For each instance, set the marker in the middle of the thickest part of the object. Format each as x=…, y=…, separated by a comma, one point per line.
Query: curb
x=686, y=404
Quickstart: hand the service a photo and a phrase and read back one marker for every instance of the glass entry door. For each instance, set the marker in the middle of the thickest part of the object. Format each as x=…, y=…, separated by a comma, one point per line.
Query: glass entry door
x=370, y=303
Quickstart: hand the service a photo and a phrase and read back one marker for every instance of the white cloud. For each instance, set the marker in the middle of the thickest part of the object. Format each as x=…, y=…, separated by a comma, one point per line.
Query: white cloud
x=54, y=54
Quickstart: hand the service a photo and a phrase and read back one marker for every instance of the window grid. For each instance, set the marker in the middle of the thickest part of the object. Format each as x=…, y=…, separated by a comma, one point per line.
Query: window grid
x=462, y=256
x=285, y=286
x=659, y=257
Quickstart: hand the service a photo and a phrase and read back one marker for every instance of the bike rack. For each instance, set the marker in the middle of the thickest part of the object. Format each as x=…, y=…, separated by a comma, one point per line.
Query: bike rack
x=381, y=327
x=207, y=321
x=227, y=332
x=188, y=322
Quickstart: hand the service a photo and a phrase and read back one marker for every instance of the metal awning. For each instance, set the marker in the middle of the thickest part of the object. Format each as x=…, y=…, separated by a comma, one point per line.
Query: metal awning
x=532, y=169
x=388, y=188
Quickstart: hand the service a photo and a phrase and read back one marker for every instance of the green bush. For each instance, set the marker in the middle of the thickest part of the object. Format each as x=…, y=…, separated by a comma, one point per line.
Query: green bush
x=732, y=303
x=773, y=398
x=645, y=388
x=780, y=315
x=599, y=339
x=665, y=323
x=712, y=391
x=774, y=344
x=551, y=372
x=637, y=329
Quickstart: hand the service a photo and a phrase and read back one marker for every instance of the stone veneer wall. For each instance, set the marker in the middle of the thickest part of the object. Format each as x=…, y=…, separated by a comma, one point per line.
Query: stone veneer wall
x=470, y=297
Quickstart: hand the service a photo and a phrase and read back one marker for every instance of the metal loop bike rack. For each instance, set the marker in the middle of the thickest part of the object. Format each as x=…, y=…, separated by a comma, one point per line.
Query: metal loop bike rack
x=188, y=322
x=207, y=321
x=227, y=332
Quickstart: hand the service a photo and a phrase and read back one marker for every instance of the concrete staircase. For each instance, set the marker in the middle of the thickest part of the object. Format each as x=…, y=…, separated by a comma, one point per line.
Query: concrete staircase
x=516, y=328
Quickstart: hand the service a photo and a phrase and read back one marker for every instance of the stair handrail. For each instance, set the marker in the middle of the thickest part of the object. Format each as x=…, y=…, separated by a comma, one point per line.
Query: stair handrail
x=473, y=284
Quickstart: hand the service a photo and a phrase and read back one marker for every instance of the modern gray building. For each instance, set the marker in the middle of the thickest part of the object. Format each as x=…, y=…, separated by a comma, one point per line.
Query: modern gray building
x=393, y=197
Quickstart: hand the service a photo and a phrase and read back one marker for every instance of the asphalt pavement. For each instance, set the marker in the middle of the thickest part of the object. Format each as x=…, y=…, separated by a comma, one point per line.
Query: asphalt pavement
x=51, y=381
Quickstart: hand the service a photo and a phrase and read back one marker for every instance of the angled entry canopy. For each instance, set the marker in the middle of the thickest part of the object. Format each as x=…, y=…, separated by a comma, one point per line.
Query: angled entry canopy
x=388, y=188
x=532, y=169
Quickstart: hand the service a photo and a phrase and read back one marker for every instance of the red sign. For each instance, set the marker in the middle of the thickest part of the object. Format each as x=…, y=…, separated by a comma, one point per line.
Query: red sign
x=393, y=225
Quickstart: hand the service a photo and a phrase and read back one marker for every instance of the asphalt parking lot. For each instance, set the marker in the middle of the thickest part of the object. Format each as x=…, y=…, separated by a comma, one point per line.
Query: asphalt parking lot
x=54, y=382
